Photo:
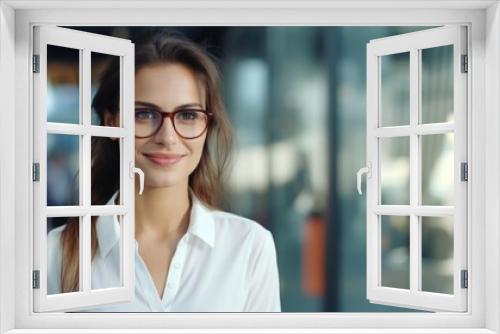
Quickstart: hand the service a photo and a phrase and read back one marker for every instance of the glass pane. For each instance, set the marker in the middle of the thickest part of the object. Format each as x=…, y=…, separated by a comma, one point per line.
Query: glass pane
x=395, y=170
x=107, y=253
x=109, y=94
x=437, y=84
x=106, y=172
x=437, y=169
x=395, y=89
x=437, y=254
x=63, y=85
x=62, y=169
x=63, y=258
x=395, y=255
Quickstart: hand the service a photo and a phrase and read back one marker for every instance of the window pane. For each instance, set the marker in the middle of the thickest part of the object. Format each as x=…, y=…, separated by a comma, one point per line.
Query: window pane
x=437, y=254
x=395, y=170
x=395, y=253
x=106, y=170
x=110, y=92
x=395, y=89
x=62, y=169
x=63, y=85
x=106, y=261
x=437, y=84
x=63, y=259
x=437, y=169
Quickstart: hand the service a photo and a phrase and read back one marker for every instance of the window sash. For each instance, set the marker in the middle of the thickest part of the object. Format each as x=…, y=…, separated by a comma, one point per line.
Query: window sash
x=414, y=297
x=85, y=43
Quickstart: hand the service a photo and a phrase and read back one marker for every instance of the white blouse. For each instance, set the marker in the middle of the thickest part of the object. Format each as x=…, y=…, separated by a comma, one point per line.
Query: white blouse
x=224, y=263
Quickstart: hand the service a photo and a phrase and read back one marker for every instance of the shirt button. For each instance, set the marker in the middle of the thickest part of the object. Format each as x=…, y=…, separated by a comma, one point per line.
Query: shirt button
x=176, y=265
x=170, y=285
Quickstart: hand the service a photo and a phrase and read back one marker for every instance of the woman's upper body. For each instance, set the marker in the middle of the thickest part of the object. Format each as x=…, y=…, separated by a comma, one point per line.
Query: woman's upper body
x=190, y=256
x=223, y=263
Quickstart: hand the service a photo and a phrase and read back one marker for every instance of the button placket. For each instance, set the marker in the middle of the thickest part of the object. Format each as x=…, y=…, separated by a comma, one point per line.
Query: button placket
x=174, y=272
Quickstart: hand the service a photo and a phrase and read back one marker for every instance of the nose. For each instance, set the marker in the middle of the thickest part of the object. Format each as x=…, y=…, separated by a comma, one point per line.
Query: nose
x=167, y=132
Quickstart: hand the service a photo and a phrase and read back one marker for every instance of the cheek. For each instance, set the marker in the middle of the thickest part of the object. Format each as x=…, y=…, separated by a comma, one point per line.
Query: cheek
x=196, y=149
x=139, y=143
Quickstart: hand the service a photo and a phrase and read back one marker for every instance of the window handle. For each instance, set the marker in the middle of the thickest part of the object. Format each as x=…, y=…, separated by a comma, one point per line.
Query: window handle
x=139, y=171
x=365, y=170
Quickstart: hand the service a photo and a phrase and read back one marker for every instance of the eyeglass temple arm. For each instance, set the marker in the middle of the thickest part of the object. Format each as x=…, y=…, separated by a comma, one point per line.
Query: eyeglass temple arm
x=139, y=171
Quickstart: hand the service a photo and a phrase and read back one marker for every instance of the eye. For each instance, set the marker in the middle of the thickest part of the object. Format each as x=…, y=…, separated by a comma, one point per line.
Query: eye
x=145, y=114
x=187, y=115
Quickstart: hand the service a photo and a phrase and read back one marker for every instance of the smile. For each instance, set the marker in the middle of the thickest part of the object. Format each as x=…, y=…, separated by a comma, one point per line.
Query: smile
x=164, y=161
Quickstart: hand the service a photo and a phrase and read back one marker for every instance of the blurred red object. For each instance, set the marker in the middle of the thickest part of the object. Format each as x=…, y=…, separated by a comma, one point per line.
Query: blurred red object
x=313, y=257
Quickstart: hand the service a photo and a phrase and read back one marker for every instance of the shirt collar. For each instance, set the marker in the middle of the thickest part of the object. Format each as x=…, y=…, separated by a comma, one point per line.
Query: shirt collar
x=201, y=224
x=201, y=221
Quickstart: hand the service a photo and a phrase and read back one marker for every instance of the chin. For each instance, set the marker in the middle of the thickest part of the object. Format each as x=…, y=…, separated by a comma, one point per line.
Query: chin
x=164, y=182
x=163, y=179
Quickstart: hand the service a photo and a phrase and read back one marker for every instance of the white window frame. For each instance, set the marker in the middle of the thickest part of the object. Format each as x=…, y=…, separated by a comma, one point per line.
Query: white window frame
x=413, y=43
x=85, y=43
x=483, y=19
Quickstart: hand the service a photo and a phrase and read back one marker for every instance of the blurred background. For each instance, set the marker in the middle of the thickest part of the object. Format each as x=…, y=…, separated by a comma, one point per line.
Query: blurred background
x=296, y=97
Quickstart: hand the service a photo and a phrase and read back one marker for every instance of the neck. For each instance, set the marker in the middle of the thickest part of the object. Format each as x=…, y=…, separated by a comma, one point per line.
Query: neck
x=162, y=212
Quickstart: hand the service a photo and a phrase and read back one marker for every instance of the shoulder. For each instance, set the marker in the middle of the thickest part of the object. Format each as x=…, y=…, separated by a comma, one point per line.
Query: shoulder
x=54, y=259
x=55, y=234
x=236, y=223
x=240, y=229
x=54, y=240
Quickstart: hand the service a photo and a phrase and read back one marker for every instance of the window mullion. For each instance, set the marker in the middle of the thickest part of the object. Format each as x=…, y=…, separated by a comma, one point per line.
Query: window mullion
x=85, y=245
x=414, y=172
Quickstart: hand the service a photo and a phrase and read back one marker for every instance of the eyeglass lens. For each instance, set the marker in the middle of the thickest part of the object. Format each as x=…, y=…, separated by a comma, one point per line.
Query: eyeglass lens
x=188, y=123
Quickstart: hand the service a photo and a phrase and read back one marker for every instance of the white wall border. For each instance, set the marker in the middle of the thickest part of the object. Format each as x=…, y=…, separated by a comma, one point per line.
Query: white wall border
x=449, y=323
x=492, y=168
x=7, y=167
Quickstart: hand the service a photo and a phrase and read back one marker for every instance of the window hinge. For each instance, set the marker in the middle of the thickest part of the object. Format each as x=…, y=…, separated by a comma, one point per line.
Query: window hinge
x=36, y=171
x=464, y=171
x=465, y=64
x=465, y=279
x=36, y=63
x=36, y=279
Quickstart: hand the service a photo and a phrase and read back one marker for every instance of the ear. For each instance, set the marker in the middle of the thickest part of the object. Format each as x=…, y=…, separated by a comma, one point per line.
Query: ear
x=110, y=120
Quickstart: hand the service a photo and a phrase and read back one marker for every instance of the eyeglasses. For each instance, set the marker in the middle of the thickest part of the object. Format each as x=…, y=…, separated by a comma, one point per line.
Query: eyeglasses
x=189, y=123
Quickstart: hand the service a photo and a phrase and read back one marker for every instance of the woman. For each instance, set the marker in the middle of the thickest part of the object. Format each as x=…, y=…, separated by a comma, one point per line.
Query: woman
x=190, y=257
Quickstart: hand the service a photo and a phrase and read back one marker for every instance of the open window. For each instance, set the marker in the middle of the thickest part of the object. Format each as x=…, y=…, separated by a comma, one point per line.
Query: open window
x=68, y=139
x=416, y=114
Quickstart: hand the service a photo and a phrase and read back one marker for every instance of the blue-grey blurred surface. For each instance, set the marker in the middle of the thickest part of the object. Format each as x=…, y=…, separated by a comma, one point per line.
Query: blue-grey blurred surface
x=296, y=97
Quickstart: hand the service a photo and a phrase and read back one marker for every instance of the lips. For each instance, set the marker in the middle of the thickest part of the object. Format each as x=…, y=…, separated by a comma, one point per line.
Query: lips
x=164, y=159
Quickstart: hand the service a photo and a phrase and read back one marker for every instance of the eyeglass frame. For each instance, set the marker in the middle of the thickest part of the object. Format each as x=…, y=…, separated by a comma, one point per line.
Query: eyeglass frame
x=171, y=115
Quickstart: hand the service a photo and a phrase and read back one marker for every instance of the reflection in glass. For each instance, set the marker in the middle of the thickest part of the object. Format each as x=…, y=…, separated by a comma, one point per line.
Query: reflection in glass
x=100, y=62
x=56, y=259
x=437, y=254
x=437, y=169
x=106, y=244
x=395, y=252
x=395, y=170
x=437, y=84
x=395, y=89
x=106, y=156
x=63, y=80
x=62, y=169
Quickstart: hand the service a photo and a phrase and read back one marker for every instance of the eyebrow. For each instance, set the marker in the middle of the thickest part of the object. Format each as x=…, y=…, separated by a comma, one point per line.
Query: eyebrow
x=152, y=105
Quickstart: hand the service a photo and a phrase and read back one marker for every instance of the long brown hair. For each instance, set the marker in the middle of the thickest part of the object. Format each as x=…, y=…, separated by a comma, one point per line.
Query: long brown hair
x=206, y=181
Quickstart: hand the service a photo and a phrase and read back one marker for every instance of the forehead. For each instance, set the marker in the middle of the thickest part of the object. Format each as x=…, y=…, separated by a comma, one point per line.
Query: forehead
x=168, y=85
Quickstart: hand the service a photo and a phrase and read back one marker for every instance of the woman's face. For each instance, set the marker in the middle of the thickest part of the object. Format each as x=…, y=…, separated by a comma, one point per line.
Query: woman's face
x=166, y=158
